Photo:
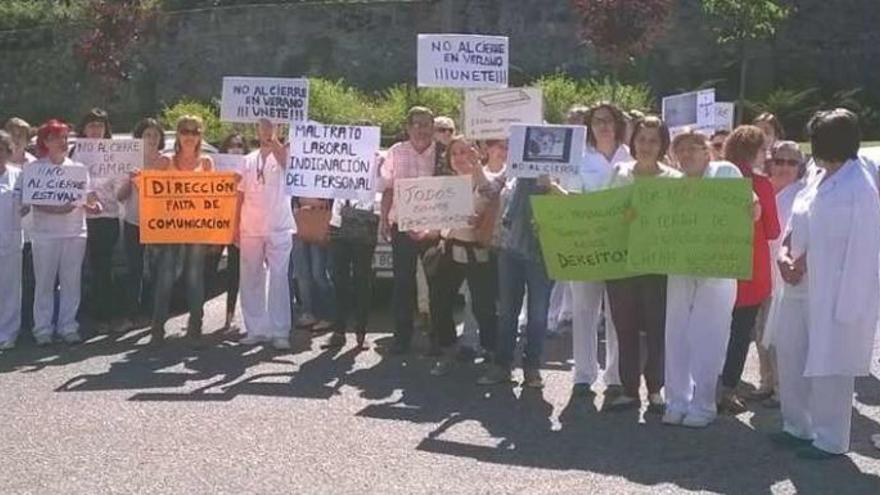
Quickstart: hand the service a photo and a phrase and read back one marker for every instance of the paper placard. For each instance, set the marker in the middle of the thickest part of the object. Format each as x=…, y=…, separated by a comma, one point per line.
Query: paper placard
x=462, y=61
x=279, y=100
x=228, y=162
x=555, y=150
x=110, y=158
x=724, y=115
x=694, y=109
x=332, y=161
x=432, y=203
x=44, y=184
x=489, y=113
x=187, y=207
x=696, y=227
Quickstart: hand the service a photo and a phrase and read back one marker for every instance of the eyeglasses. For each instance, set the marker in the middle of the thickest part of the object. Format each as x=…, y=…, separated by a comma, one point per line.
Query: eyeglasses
x=190, y=132
x=445, y=129
x=786, y=161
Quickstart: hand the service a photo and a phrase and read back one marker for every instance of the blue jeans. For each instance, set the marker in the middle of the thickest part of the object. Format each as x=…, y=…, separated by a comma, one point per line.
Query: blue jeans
x=168, y=257
x=312, y=271
x=515, y=275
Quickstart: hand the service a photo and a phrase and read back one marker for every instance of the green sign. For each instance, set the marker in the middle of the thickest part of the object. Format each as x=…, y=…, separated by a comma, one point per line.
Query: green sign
x=584, y=236
x=698, y=227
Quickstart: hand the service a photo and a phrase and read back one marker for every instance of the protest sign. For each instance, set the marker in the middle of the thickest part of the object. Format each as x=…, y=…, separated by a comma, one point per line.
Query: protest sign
x=187, y=207
x=227, y=162
x=431, y=203
x=584, y=236
x=249, y=99
x=332, y=161
x=697, y=227
x=724, y=114
x=54, y=185
x=489, y=113
x=536, y=150
x=695, y=109
x=110, y=158
x=462, y=61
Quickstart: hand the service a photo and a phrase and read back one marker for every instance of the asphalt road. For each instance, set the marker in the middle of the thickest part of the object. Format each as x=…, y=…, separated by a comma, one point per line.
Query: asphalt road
x=115, y=416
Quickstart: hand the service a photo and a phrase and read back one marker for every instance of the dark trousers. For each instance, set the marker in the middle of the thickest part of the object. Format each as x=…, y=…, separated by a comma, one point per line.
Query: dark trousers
x=135, y=288
x=353, y=280
x=230, y=282
x=738, y=346
x=103, y=234
x=444, y=287
x=639, y=304
x=405, y=254
x=28, y=285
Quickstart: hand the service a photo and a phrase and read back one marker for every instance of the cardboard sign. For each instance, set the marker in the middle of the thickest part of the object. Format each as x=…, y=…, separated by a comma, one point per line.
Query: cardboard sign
x=227, y=162
x=187, y=207
x=54, y=185
x=536, y=150
x=584, y=236
x=249, y=99
x=695, y=109
x=724, y=115
x=432, y=203
x=110, y=158
x=697, y=227
x=332, y=161
x=462, y=61
x=489, y=113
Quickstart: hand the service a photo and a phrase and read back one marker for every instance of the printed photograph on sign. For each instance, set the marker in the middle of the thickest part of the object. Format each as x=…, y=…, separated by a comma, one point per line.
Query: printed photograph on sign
x=53, y=185
x=249, y=99
x=489, y=113
x=554, y=150
x=462, y=61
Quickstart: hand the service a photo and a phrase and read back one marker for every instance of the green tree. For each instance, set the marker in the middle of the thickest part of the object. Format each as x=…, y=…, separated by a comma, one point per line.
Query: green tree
x=740, y=23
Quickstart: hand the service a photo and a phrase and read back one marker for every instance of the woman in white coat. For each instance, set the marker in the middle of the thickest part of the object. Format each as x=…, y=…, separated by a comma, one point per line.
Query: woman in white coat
x=10, y=245
x=698, y=312
x=829, y=307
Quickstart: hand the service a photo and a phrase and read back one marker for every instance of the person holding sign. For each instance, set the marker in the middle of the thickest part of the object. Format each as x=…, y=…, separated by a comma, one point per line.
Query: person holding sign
x=638, y=304
x=698, y=312
x=59, y=244
x=103, y=229
x=828, y=314
x=10, y=245
x=20, y=131
x=266, y=238
x=746, y=148
x=187, y=157
x=416, y=157
x=153, y=135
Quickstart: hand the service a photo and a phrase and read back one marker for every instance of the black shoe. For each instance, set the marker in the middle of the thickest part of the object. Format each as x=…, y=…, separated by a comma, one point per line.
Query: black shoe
x=157, y=336
x=361, y=336
x=336, y=340
x=582, y=390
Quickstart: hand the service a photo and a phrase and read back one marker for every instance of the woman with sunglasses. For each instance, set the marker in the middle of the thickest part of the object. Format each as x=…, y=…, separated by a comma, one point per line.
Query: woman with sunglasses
x=187, y=157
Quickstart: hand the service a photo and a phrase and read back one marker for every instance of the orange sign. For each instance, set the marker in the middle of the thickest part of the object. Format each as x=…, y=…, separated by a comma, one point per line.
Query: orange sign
x=187, y=207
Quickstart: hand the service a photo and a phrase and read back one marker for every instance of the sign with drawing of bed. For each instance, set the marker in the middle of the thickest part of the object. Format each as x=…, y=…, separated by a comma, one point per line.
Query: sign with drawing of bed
x=489, y=113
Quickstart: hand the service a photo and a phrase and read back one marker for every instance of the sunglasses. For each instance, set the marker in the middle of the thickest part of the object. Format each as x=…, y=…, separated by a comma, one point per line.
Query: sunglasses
x=190, y=132
x=786, y=161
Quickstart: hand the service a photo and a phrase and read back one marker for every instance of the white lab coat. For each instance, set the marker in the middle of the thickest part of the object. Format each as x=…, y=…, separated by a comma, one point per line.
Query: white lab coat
x=10, y=253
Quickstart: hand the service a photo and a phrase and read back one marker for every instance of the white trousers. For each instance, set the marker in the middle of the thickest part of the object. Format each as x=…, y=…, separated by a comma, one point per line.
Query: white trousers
x=265, y=286
x=698, y=314
x=813, y=408
x=469, y=328
x=560, y=307
x=586, y=304
x=57, y=260
x=10, y=301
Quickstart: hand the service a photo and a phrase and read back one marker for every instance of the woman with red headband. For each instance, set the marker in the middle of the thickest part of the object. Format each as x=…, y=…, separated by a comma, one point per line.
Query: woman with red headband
x=59, y=244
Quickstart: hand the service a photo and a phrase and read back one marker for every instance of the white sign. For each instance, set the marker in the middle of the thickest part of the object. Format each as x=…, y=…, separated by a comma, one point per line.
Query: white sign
x=695, y=109
x=462, y=61
x=227, y=162
x=54, y=185
x=432, y=203
x=110, y=158
x=489, y=113
x=724, y=113
x=249, y=99
x=332, y=161
x=555, y=150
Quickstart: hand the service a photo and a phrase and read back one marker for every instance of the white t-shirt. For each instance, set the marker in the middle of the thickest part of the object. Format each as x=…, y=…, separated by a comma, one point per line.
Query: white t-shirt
x=10, y=207
x=623, y=174
x=27, y=220
x=47, y=226
x=266, y=206
x=595, y=170
x=132, y=207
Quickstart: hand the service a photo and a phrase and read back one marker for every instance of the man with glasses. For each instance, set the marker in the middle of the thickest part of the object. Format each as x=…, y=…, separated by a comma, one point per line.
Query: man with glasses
x=717, y=144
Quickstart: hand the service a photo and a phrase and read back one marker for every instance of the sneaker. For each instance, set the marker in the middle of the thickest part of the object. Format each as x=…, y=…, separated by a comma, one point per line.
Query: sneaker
x=673, y=418
x=442, y=367
x=71, y=338
x=731, y=404
x=306, y=320
x=623, y=402
x=532, y=378
x=336, y=340
x=6, y=345
x=582, y=390
x=251, y=339
x=495, y=376
x=43, y=340
x=656, y=404
x=693, y=421
x=281, y=344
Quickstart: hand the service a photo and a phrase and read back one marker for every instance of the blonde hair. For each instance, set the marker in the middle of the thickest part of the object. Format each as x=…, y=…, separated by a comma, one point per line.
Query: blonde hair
x=18, y=128
x=185, y=121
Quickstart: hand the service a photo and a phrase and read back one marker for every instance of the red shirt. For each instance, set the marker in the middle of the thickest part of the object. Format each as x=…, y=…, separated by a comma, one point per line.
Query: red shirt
x=753, y=292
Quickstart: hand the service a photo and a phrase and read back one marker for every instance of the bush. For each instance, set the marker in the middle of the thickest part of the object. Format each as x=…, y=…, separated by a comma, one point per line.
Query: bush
x=561, y=92
x=392, y=105
x=332, y=102
x=215, y=131
x=25, y=14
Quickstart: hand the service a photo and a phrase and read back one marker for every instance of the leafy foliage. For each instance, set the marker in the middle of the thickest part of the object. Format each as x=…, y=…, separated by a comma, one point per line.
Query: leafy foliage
x=561, y=92
x=215, y=131
x=115, y=27
x=25, y=14
x=740, y=20
x=391, y=105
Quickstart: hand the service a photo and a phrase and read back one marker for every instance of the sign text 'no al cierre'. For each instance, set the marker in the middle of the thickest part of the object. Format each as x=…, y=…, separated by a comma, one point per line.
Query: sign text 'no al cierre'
x=462, y=61
x=279, y=100
x=54, y=185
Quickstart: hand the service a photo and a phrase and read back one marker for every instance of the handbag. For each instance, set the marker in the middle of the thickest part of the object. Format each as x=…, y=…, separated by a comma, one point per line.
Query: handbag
x=358, y=226
x=313, y=225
